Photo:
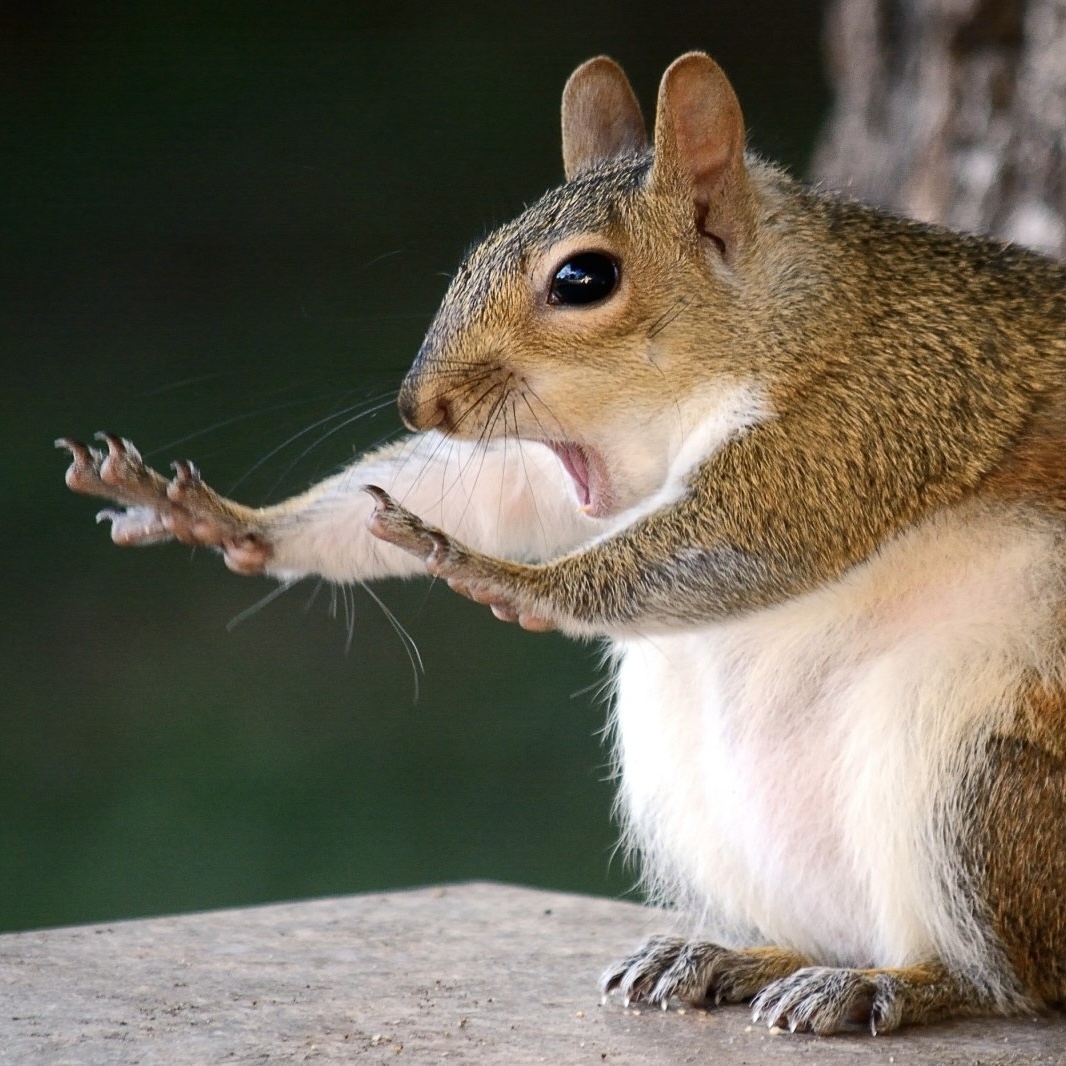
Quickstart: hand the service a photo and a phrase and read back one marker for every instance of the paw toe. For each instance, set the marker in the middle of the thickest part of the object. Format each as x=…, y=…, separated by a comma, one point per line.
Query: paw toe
x=123, y=461
x=246, y=555
x=687, y=977
x=638, y=974
x=134, y=526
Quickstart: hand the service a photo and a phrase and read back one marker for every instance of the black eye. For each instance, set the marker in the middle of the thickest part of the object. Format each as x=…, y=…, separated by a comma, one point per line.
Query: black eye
x=586, y=278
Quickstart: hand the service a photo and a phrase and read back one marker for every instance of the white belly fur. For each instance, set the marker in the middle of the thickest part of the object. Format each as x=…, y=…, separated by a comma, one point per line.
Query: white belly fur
x=781, y=772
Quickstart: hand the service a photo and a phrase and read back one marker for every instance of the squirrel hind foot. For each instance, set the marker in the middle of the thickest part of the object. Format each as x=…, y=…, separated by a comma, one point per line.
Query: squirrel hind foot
x=697, y=971
x=826, y=999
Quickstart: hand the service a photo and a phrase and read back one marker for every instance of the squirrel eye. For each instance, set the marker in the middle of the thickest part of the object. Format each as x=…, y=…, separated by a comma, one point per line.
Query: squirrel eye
x=588, y=277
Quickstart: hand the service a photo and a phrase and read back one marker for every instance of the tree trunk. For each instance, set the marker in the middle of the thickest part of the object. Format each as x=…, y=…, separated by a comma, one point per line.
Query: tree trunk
x=952, y=111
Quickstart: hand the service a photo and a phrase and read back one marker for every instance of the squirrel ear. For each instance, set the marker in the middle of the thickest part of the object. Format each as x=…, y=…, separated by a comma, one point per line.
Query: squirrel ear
x=601, y=116
x=699, y=145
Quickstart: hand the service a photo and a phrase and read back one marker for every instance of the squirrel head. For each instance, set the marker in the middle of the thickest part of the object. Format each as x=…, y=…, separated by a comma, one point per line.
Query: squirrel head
x=602, y=319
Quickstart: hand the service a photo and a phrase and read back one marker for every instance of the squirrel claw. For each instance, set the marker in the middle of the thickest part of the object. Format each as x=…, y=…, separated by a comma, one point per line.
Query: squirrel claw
x=83, y=474
x=81, y=453
x=186, y=472
x=119, y=447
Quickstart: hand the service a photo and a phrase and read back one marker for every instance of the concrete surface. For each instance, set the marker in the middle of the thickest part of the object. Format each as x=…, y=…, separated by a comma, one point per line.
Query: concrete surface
x=473, y=973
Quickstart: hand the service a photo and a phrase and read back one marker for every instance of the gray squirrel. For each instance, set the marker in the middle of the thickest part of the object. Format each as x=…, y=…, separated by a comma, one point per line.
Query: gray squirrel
x=801, y=464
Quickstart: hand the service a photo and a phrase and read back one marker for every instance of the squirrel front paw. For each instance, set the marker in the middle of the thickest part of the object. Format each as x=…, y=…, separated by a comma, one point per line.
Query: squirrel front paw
x=477, y=577
x=156, y=508
x=825, y=999
x=696, y=971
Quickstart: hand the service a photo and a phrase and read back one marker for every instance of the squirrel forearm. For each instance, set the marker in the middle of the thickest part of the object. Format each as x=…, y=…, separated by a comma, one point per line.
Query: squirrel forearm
x=639, y=580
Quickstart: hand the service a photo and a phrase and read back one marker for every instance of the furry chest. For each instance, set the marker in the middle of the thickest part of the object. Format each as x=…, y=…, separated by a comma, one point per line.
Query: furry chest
x=786, y=775
x=729, y=779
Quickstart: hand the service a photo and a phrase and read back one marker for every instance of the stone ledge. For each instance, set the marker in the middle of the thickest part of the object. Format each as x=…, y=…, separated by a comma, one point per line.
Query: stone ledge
x=480, y=973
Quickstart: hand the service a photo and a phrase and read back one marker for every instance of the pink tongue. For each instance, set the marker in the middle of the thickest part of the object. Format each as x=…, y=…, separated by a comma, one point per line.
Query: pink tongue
x=576, y=465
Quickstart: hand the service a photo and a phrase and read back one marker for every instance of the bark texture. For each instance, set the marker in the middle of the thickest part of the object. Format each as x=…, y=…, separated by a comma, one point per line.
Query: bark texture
x=952, y=111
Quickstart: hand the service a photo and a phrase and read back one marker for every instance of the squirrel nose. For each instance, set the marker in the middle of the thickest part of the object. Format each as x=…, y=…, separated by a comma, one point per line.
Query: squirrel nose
x=421, y=414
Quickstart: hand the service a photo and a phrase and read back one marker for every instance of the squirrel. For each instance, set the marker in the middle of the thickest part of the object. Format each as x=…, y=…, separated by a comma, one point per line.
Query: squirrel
x=801, y=464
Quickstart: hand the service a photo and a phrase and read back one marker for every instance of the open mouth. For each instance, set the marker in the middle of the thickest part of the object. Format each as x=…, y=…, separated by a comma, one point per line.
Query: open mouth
x=588, y=472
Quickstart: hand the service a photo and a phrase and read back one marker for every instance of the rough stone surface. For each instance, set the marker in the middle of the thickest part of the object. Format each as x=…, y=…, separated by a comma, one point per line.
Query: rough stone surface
x=474, y=973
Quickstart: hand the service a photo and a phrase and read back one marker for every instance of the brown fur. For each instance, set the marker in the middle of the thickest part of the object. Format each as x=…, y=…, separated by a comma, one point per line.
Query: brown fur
x=1020, y=822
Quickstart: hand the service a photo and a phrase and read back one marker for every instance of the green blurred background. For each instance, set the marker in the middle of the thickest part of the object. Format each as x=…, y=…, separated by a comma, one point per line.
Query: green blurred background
x=223, y=223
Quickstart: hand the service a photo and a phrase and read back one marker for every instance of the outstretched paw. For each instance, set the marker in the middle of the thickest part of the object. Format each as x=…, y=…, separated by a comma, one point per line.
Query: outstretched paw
x=156, y=508
x=696, y=971
x=478, y=577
